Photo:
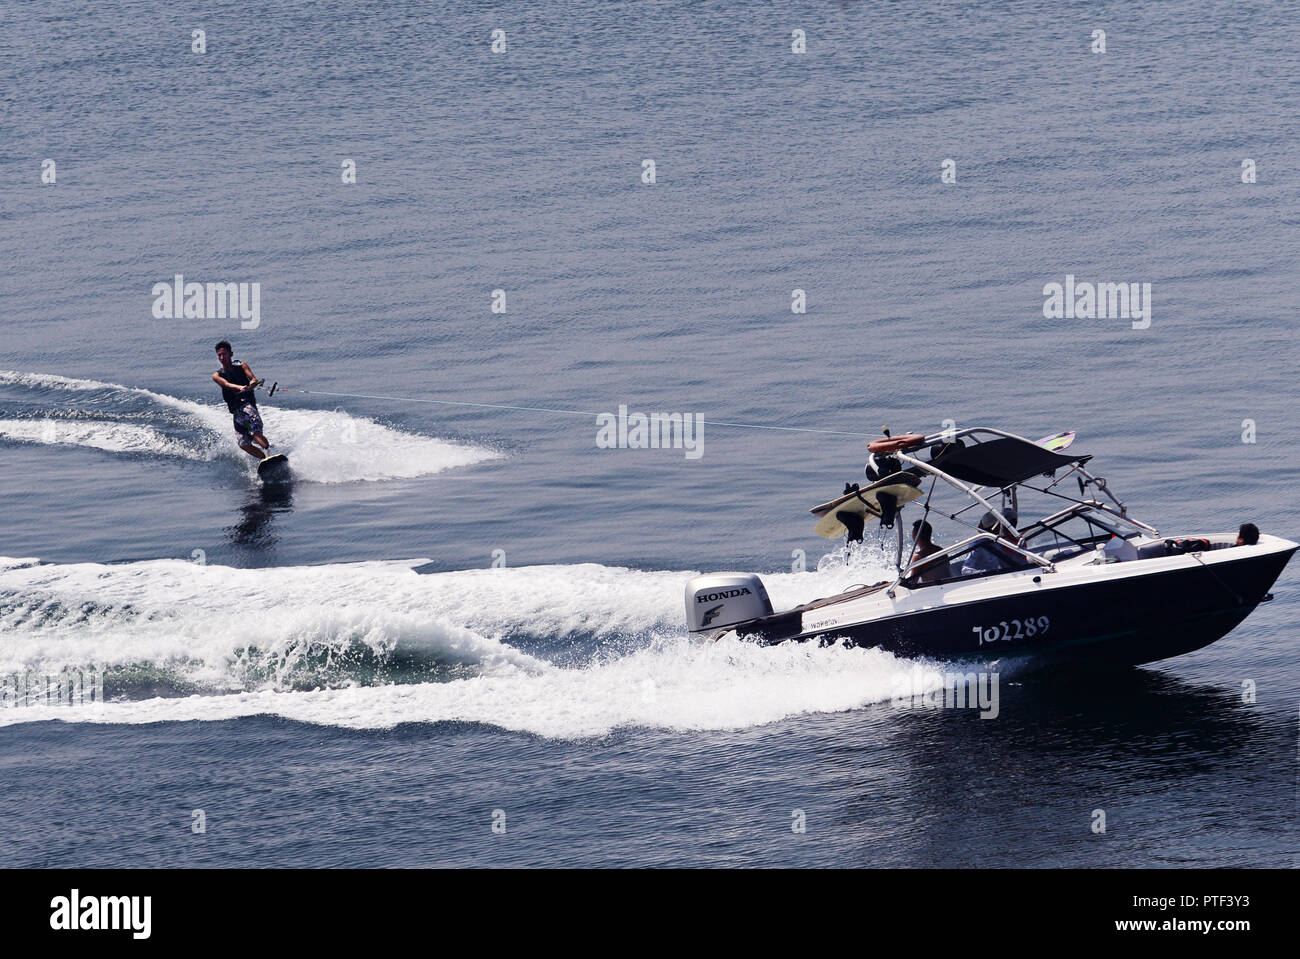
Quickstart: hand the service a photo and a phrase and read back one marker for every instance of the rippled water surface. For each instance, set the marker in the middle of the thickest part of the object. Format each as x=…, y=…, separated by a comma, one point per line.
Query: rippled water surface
x=273, y=656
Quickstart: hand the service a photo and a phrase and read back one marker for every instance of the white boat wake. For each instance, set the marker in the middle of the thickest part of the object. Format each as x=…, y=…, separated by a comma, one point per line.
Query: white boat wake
x=557, y=651
x=325, y=446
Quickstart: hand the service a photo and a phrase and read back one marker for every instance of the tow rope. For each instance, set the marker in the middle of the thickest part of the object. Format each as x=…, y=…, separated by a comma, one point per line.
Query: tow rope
x=276, y=387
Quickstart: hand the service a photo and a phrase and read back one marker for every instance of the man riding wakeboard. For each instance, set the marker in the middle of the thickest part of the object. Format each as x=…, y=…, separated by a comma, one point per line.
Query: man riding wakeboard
x=237, y=383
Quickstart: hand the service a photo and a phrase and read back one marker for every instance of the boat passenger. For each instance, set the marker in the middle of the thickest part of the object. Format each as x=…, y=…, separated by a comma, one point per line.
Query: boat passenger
x=924, y=545
x=1248, y=535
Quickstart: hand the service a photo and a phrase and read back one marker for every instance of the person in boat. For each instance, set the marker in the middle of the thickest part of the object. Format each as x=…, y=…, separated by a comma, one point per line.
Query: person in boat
x=989, y=557
x=237, y=383
x=923, y=546
x=1248, y=535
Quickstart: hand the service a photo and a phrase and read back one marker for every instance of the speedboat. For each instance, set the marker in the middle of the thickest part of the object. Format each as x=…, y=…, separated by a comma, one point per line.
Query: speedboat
x=1085, y=582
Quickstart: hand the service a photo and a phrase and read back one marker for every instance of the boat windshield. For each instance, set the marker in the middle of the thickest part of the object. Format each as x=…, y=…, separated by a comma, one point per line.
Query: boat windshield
x=981, y=555
x=1073, y=532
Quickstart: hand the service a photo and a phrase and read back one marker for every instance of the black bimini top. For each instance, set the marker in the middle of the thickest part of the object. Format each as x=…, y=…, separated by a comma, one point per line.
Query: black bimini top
x=1001, y=462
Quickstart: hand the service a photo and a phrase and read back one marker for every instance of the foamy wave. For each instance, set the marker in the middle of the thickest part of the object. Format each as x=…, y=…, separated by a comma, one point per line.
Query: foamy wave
x=676, y=685
x=98, y=434
x=223, y=628
x=839, y=570
x=51, y=381
x=264, y=633
x=324, y=446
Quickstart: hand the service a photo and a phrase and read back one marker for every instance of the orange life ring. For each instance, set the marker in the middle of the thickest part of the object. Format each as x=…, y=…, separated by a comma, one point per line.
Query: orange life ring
x=892, y=444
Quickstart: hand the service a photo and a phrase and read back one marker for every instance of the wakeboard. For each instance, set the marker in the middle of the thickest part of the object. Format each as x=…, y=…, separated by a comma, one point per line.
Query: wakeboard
x=274, y=469
x=904, y=487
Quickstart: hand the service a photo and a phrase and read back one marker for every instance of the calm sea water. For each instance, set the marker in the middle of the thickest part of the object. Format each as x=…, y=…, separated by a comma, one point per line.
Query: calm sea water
x=273, y=659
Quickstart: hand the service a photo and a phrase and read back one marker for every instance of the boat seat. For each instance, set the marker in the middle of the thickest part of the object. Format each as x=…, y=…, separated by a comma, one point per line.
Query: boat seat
x=1156, y=550
x=1061, y=552
x=853, y=592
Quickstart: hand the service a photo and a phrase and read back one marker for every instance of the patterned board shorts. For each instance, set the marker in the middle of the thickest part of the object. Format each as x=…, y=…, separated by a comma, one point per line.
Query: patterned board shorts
x=247, y=421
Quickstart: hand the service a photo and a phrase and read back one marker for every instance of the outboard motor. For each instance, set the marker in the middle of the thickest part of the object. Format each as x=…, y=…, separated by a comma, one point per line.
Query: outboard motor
x=716, y=600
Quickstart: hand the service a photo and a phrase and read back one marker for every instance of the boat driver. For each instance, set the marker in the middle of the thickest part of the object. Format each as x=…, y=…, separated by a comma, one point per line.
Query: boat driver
x=1248, y=535
x=989, y=557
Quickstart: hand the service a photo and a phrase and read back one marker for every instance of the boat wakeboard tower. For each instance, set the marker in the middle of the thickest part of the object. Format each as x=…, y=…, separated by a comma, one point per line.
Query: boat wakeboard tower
x=1086, y=581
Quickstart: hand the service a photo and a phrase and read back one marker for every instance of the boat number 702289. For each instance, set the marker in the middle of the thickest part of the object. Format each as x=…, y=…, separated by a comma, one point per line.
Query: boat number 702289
x=1011, y=629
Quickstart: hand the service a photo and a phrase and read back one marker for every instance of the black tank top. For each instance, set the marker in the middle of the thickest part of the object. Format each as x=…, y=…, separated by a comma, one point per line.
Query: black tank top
x=235, y=400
